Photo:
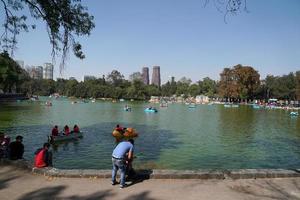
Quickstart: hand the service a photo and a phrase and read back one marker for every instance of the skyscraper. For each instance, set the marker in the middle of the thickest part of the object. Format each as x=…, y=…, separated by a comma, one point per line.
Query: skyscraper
x=48, y=71
x=35, y=72
x=156, y=76
x=145, y=75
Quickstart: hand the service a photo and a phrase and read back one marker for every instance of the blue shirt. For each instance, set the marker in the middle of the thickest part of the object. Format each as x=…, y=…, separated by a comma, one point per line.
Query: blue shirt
x=121, y=149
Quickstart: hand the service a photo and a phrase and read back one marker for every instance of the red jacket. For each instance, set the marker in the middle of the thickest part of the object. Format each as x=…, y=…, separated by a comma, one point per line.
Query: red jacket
x=39, y=160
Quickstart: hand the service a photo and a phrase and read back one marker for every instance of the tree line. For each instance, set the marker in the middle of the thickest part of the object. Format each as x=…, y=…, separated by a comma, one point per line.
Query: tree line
x=238, y=83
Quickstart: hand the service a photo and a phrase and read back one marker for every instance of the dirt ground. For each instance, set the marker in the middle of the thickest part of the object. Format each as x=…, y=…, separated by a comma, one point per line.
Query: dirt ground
x=18, y=184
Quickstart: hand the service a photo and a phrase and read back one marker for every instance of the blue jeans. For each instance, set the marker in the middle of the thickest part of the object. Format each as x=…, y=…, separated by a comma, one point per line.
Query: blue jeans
x=118, y=164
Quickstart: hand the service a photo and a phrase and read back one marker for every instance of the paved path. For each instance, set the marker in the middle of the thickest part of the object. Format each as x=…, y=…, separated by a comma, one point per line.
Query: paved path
x=18, y=184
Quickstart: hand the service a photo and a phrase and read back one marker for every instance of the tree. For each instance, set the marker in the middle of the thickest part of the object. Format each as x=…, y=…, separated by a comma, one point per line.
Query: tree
x=115, y=78
x=135, y=76
x=65, y=19
x=240, y=82
x=298, y=85
x=208, y=87
x=11, y=74
x=229, y=6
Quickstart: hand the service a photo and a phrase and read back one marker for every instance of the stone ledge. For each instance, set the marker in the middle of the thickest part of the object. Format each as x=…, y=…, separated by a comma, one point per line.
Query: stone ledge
x=158, y=174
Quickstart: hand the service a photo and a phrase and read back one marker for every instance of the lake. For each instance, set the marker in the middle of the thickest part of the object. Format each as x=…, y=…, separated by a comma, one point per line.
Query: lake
x=176, y=137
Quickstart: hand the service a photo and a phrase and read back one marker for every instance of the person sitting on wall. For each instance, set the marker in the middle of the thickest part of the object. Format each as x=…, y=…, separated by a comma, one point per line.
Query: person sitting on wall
x=43, y=157
x=76, y=129
x=66, y=130
x=4, y=143
x=55, y=131
x=16, y=149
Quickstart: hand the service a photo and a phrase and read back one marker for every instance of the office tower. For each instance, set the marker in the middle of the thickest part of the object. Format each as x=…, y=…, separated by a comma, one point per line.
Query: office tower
x=156, y=76
x=48, y=71
x=88, y=77
x=172, y=80
x=39, y=72
x=21, y=63
x=35, y=72
x=145, y=75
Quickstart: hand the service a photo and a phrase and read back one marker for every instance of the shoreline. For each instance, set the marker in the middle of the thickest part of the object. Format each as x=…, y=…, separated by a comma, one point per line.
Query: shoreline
x=156, y=173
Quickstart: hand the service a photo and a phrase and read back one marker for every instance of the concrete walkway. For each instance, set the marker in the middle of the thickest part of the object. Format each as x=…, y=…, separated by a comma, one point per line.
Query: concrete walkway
x=19, y=184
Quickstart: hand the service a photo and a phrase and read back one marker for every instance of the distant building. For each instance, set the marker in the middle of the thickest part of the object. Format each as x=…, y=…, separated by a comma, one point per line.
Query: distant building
x=35, y=72
x=156, y=76
x=21, y=63
x=72, y=78
x=87, y=78
x=172, y=79
x=48, y=71
x=145, y=75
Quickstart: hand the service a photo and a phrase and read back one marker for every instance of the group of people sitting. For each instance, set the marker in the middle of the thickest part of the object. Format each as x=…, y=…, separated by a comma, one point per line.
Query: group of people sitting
x=12, y=150
x=66, y=130
x=15, y=150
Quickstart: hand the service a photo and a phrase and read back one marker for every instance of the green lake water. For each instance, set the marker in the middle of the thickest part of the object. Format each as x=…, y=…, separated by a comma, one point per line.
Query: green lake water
x=177, y=137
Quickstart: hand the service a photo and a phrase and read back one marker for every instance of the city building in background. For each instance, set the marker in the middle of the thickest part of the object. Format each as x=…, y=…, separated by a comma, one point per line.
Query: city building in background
x=88, y=77
x=145, y=75
x=21, y=63
x=35, y=72
x=156, y=76
x=48, y=71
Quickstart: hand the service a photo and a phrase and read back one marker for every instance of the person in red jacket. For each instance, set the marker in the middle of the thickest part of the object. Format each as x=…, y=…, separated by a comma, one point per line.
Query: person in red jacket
x=55, y=131
x=43, y=157
x=66, y=130
x=76, y=129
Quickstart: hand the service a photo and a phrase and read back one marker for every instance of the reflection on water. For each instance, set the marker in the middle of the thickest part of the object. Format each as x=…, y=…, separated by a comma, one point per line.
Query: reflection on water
x=176, y=137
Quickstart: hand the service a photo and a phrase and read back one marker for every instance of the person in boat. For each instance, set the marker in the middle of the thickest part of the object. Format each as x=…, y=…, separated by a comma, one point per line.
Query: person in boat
x=66, y=130
x=122, y=158
x=16, y=149
x=119, y=128
x=76, y=129
x=43, y=157
x=55, y=131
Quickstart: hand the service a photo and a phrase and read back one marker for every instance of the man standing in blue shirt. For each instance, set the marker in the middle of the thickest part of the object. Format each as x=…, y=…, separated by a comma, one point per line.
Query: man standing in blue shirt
x=121, y=157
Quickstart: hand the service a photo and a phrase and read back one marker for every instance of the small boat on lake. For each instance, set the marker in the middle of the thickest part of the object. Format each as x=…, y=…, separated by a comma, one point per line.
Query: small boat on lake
x=151, y=110
x=294, y=113
x=62, y=137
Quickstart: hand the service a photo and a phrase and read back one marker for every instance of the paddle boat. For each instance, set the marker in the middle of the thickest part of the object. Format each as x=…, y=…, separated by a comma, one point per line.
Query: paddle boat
x=61, y=137
x=192, y=105
x=128, y=109
x=128, y=133
x=255, y=106
x=294, y=113
x=152, y=110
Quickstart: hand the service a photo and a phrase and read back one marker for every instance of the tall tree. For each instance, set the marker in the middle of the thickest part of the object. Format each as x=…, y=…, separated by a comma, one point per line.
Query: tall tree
x=115, y=78
x=298, y=85
x=65, y=20
x=11, y=74
x=240, y=82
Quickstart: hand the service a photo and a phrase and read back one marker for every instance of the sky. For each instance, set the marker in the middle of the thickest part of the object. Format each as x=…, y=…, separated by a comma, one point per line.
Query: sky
x=184, y=38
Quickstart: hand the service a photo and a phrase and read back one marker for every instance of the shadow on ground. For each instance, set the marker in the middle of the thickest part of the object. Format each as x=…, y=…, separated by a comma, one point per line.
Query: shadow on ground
x=4, y=181
x=268, y=189
x=56, y=193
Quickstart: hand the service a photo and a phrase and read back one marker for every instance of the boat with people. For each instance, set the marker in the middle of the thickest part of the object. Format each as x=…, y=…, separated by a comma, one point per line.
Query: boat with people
x=294, y=113
x=192, y=105
x=120, y=133
x=61, y=137
x=151, y=110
